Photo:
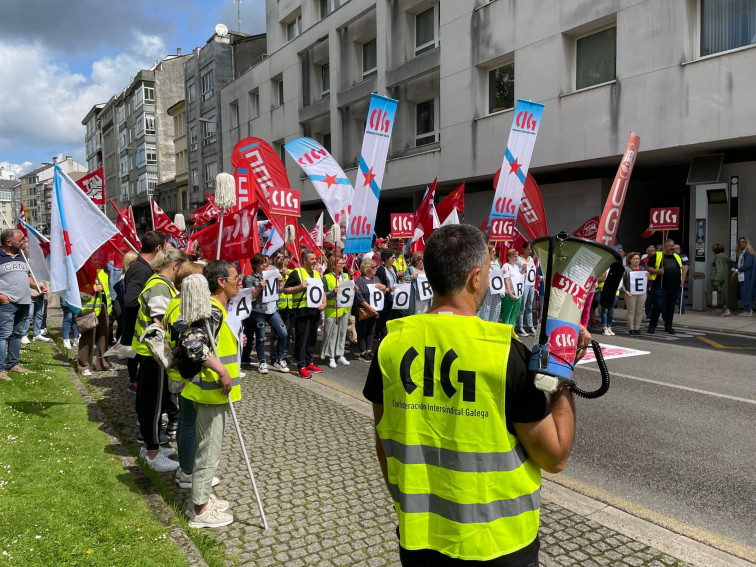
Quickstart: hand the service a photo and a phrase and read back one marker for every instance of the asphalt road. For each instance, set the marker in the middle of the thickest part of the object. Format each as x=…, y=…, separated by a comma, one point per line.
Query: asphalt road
x=675, y=432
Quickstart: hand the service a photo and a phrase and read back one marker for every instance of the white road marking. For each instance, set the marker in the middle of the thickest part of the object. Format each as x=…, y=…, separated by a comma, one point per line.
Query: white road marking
x=676, y=386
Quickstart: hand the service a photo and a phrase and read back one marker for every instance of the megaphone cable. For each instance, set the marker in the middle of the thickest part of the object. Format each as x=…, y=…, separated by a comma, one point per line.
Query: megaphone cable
x=604, y=376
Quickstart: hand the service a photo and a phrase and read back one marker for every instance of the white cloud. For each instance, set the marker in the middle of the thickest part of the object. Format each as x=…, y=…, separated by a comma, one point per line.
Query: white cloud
x=17, y=169
x=44, y=102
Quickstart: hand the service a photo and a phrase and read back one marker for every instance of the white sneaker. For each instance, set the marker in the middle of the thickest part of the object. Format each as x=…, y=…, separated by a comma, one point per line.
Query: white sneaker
x=167, y=451
x=76, y=342
x=609, y=330
x=67, y=344
x=280, y=366
x=41, y=339
x=344, y=361
x=263, y=369
x=521, y=332
x=25, y=340
x=43, y=332
x=606, y=332
x=211, y=519
x=161, y=463
x=86, y=372
x=332, y=363
x=746, y=314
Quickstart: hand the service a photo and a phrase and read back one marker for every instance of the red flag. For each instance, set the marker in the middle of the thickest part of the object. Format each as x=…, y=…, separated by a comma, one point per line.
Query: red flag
x=648, y=233
x=161, y=223
x=206, y=212
x=454, y=200
x=607, y=228
x=238, y=238
x=532, y=214
x=426, y=220
x=304, y=238
x=127, y=232
x=93, y=185
x=589, y=229
x=258, y=167
x=21, y=226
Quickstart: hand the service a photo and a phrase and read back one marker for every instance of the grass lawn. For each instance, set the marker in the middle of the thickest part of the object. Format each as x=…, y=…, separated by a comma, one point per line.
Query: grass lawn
x=65, y=498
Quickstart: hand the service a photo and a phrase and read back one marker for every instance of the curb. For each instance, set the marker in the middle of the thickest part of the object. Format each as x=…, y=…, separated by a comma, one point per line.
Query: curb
x=155, y=502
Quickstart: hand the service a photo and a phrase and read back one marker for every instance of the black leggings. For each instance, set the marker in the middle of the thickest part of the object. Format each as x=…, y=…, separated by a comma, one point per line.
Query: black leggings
x=152, y=398
x=365, y=329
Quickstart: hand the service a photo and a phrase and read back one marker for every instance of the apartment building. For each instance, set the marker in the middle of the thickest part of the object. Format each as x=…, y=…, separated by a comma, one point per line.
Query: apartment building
x=173, y=195
x=7, y=189
x=35, y=190
x=678, y=73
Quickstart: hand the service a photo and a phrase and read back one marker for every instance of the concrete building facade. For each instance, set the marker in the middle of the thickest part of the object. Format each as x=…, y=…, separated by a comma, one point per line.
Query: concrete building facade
x=35, y=190
x=8, y=187
x=678, y=73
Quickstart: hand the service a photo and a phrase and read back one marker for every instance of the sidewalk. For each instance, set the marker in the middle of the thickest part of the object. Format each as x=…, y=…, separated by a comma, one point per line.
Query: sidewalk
x=312, y=452
x=707, y=321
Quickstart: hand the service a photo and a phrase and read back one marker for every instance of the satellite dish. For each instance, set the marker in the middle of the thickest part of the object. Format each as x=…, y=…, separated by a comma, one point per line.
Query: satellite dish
x=221, y=30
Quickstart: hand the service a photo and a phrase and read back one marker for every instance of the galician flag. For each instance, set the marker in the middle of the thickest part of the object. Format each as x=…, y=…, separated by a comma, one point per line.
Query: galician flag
x=326, y=175
x=77, y=229
x=39, y=250
x=367, y=188
x=514, y=169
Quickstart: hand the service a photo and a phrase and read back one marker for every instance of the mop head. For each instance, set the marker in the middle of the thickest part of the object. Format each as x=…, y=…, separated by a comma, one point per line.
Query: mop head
x=195, y=299
x=289, y=236
x=178, y=220
x=336, y=234
x=225, y=192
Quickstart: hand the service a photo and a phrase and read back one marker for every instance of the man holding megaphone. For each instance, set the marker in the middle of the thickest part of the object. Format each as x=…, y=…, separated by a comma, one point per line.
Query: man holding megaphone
x=461, y=432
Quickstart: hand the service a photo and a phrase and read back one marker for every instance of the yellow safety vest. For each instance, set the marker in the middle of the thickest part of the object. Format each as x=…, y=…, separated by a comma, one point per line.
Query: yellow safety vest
x=657, y=262
x=143, y=315
x=331, y=310
x=102, y=299
x=399, y=264
x=172, y=314
x=299, y=300
x=205, y=387
x=461, y=483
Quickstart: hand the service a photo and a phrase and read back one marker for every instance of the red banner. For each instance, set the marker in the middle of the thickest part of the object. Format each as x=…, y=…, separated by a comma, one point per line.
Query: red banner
x=532, y=214
x=22, y=216
x=589, y=229
x=305, y=239
x=454, y=200
x=206, y=212
x=238, y=238
x=402, y=225
x=94, y=186
x=607, y=229
x=667, y=218
x=162, y=223
x=260, y=165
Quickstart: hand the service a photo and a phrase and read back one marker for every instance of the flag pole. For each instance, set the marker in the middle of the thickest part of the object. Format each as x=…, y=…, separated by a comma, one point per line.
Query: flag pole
x=5, y=220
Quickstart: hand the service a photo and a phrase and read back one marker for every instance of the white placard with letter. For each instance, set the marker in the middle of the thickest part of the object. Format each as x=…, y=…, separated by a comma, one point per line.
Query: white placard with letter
x=638, y=282
x=424, y=291
x=531, y=274
x=518, y=285
x=376, y=297
x=239, y=308
x=315, y=293
x=271, y=285
x=345, y=296
x=496, y=282
x=402, y=296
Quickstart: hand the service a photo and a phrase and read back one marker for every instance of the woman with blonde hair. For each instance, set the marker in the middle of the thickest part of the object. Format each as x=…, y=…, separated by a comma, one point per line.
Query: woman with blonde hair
x=153, y=394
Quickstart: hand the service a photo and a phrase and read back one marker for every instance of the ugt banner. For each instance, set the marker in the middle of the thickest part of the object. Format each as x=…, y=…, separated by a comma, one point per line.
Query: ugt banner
x=607, y=228
x=325, y=173
x=514, y=169
x=93, y=185
x=367, y=189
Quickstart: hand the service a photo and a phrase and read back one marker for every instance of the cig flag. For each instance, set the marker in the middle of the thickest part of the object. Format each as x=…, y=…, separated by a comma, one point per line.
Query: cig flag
x=77, y=229
x=514, y=169
x=325, y=173
x=367, y=189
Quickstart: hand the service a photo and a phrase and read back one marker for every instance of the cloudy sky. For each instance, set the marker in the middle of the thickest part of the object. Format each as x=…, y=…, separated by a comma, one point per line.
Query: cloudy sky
x=58, y=59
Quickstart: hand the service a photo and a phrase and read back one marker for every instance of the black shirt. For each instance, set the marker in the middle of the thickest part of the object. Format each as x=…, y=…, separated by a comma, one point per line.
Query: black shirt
x=672, y=276
x=292, y=281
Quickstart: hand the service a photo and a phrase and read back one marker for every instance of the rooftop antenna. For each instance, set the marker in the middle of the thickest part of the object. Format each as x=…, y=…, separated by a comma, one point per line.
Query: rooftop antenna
x=238, y=15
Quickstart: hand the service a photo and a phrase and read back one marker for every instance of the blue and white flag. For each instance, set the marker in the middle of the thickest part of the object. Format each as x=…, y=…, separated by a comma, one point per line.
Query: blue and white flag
x=39, y=249
x=326, y=175
x=367, y=188
x=77, y=229
x=514, y=169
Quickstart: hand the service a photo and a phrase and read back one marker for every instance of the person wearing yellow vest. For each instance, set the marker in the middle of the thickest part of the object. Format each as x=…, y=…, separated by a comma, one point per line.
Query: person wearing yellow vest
x=285, y=306
x=665, y=270
x=307, y=318
x=97, y=336
x=153, y=395
x=336, y=318
x=461, y=431
x=210, y=391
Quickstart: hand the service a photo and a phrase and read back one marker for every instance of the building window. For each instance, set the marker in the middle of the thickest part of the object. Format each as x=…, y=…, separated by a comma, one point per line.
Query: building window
x=121, y=114
x=325, y=80
x=327, y=142
x=233, y=110
x=195, y=180
x=151, y=155
x=124, y=166
x=726, y=24
x=122, y=140
x=369, y=59
x=426, y=31
x=254, y=104
x=426, y=123
x=208, y=85
x=208, y=131
x=149, y=94
x=280, y=92
x=138, y=98
x=294, y=28
x=327, y=6
x=139, y=127
x=149, y=124
x=152, y=182
x=501, y=83
x=596, y=58
x=141, y=156
x=193, y=138
x=191, y=95
x=124, y=190
x=211, y=170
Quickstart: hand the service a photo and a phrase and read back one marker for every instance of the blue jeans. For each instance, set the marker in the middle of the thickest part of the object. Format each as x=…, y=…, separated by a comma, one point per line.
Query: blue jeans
x=277, y=324
x=12, y=322
x=36, y=314
x=664, y=305
x=69, y=323
x=607, y=315
x=186, y=434
x=526, y=308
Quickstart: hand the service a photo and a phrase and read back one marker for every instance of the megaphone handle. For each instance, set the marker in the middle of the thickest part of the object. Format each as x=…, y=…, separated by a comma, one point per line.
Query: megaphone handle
x=604, y=388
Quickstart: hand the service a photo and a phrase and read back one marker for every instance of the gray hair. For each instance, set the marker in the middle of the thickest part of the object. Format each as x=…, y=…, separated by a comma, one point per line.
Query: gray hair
x=451, y=253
